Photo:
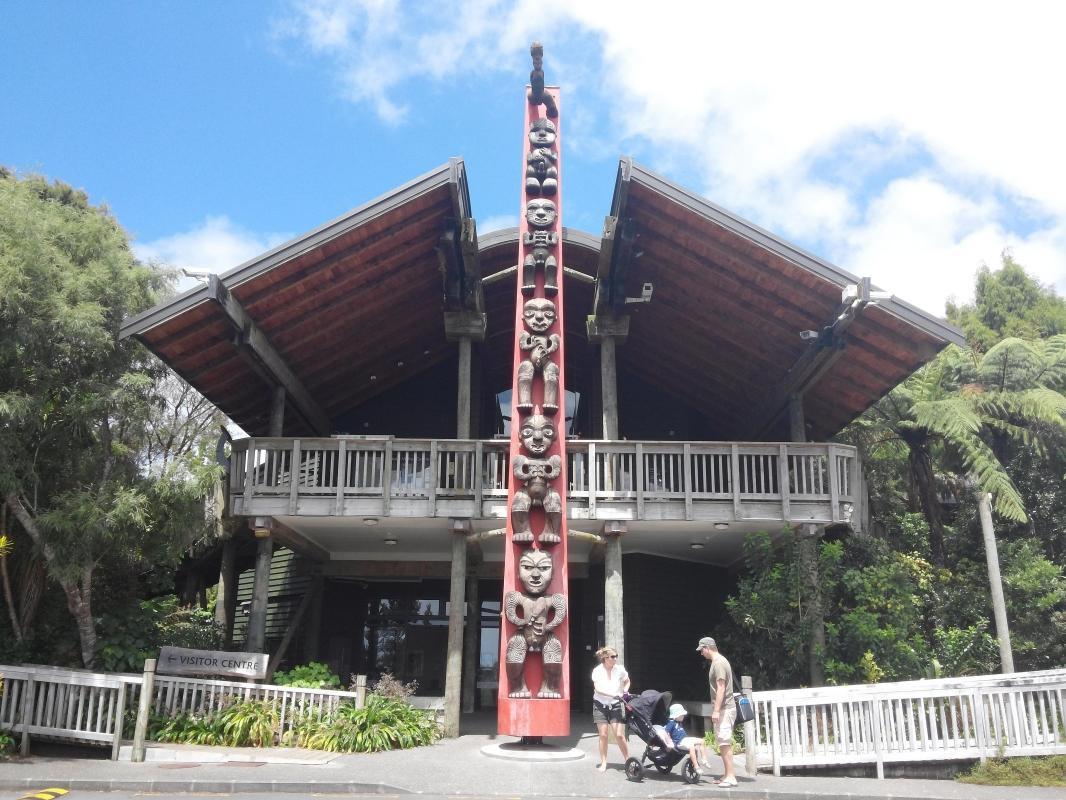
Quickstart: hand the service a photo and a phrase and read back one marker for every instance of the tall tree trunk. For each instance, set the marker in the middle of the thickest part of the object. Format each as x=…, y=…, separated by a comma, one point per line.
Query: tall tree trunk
x=79, y=602
x=921, y=464
x=78, y=592
x=808, y=564
x=5, y=578
x=31, y=579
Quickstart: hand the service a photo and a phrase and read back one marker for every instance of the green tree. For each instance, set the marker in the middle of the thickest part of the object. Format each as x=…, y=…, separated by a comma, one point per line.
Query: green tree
x=74, y=400
x=963, y=411
x=1008, y=303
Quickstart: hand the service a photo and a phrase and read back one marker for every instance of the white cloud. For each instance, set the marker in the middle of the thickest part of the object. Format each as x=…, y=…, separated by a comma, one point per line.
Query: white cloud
x=496, y=223
x=216, y=245
x=899, y=141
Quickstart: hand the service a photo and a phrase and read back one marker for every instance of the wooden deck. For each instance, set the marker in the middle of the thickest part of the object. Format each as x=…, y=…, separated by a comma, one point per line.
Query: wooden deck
x=701, y=481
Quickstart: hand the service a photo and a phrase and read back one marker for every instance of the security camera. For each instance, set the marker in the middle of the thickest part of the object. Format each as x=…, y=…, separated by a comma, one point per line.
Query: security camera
x=645, y=294
x=808, y=336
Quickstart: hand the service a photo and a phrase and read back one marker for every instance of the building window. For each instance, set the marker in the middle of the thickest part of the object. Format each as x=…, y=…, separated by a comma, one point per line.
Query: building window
x=503, y=413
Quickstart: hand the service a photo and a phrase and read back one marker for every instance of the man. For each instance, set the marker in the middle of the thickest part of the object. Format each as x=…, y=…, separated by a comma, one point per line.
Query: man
x=724, y=711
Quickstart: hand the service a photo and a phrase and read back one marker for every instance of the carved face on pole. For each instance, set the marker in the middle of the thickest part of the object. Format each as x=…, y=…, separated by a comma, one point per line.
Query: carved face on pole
x=537, y=434
x=538, y=314
x=540, y=213
x=535, y=571
x=542, y=133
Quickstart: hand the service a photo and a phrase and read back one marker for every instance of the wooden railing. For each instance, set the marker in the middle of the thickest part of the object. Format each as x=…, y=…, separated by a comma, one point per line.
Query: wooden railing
x=711, y=481
x=915, y=721
x=68, y=705
x=89, y=708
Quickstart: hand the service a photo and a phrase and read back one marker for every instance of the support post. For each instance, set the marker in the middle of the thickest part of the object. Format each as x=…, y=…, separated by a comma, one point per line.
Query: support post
x=453, y=675
x=277, y=411
x=27, y=715
x=144, y=705
x=462, y=411
x=226, y=602
x=797, y=422
x=120, y=718
x=260, y=586
x=751, y=765
x=999, y=607
x=360, y=691
x=608, y=330
x=609, y=388
x=613, y=623
x=470, y=642
x=464, y=328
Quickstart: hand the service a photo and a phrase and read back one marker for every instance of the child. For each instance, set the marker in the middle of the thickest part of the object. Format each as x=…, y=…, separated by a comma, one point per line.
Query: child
x=697, y=750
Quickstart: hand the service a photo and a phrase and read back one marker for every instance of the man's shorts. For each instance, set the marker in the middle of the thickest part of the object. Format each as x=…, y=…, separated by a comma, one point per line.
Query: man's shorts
x=603, y=715
x=724, y=729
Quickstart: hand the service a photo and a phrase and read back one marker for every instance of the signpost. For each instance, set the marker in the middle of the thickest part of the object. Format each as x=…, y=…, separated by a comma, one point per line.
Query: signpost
x=181, y=661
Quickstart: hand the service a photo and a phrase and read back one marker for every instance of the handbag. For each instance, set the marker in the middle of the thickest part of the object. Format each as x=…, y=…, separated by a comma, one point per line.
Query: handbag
x=745, y=709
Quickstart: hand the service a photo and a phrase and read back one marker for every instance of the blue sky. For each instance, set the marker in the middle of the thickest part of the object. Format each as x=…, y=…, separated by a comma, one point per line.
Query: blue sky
x=909, y=142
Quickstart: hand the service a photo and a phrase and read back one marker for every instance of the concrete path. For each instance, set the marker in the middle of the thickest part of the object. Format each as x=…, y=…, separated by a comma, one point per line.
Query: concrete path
x=452, y=767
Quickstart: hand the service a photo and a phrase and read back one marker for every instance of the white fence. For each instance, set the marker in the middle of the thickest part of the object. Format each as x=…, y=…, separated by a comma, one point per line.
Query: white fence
x=90, y=708
x=950, y=719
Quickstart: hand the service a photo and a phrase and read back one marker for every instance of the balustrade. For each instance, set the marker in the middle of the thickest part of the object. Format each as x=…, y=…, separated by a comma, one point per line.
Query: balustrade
x=791, y=482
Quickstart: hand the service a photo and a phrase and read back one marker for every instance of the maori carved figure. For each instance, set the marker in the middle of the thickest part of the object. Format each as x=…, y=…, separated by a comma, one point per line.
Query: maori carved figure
x=541, y=175
x=536, y=616
x=538, y=315
x=540, y=214
x=537, y=95
x=535, y=475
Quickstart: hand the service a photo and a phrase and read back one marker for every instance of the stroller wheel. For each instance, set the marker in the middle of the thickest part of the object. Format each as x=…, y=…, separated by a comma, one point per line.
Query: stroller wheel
x=634, y=770
x=690, y=773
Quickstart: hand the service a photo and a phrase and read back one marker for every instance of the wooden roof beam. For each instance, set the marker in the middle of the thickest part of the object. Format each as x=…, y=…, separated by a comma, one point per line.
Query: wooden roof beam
x=617, y=253
x=256, y=348
x=825, y=348
x=460, y=265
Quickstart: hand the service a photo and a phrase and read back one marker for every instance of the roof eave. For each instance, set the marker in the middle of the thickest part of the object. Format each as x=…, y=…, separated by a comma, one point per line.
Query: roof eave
x=629, y=171
x=453, y=173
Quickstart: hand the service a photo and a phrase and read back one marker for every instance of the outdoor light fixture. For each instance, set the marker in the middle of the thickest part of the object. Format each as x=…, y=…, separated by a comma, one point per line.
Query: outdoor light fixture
x=370, y=520
x=696, y=545
x=390, y=542
x=721, y=526
x=808, y=336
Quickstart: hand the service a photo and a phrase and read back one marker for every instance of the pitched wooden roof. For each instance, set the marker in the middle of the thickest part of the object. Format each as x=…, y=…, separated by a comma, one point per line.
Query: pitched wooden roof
x=722, y=330
x=343, y=306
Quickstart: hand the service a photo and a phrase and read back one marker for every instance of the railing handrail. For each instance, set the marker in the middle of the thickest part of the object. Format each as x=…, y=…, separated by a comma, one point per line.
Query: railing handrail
x=897, y=687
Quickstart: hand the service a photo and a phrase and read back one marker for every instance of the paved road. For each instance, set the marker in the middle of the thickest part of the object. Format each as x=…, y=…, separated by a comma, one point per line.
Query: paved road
x=454, y=768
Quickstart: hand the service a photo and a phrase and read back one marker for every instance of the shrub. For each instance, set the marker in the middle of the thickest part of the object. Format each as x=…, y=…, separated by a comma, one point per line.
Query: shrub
x=250, y=722
x=1019, y=772
x=244, y=723
x=314, y=675
x=7, y=743
x=391, y=687
x=385, y=723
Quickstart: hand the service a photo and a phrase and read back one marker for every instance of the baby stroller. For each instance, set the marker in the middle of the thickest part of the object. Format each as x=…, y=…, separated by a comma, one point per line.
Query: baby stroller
x=643, y=713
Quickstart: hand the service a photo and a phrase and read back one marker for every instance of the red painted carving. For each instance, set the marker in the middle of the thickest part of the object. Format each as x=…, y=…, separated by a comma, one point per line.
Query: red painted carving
x=540, y=247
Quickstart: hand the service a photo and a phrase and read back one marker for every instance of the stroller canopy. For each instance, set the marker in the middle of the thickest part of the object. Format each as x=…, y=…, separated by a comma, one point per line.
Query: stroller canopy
x=652, y=705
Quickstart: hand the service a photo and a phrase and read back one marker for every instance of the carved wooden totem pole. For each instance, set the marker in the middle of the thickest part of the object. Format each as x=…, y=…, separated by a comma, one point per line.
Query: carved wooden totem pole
x=534, y=694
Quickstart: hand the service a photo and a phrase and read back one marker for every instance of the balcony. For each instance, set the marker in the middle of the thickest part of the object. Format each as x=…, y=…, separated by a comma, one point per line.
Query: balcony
x=782, y=483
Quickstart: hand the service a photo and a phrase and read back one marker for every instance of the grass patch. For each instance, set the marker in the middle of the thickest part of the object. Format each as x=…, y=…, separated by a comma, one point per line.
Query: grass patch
x=1048, y=771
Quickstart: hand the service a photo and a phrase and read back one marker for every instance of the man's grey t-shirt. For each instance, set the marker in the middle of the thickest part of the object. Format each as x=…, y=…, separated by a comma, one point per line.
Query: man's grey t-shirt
x=720, y=670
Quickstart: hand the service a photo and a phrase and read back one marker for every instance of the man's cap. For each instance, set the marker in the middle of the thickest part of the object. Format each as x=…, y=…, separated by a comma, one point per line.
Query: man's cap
x=677, y=710
x=706, y=641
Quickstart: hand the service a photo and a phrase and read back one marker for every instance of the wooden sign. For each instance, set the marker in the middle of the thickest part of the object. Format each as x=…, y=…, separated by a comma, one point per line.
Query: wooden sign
x=181, y=661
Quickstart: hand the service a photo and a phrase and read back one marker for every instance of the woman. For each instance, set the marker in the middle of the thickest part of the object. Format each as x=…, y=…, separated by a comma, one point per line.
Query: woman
x=609, y=681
